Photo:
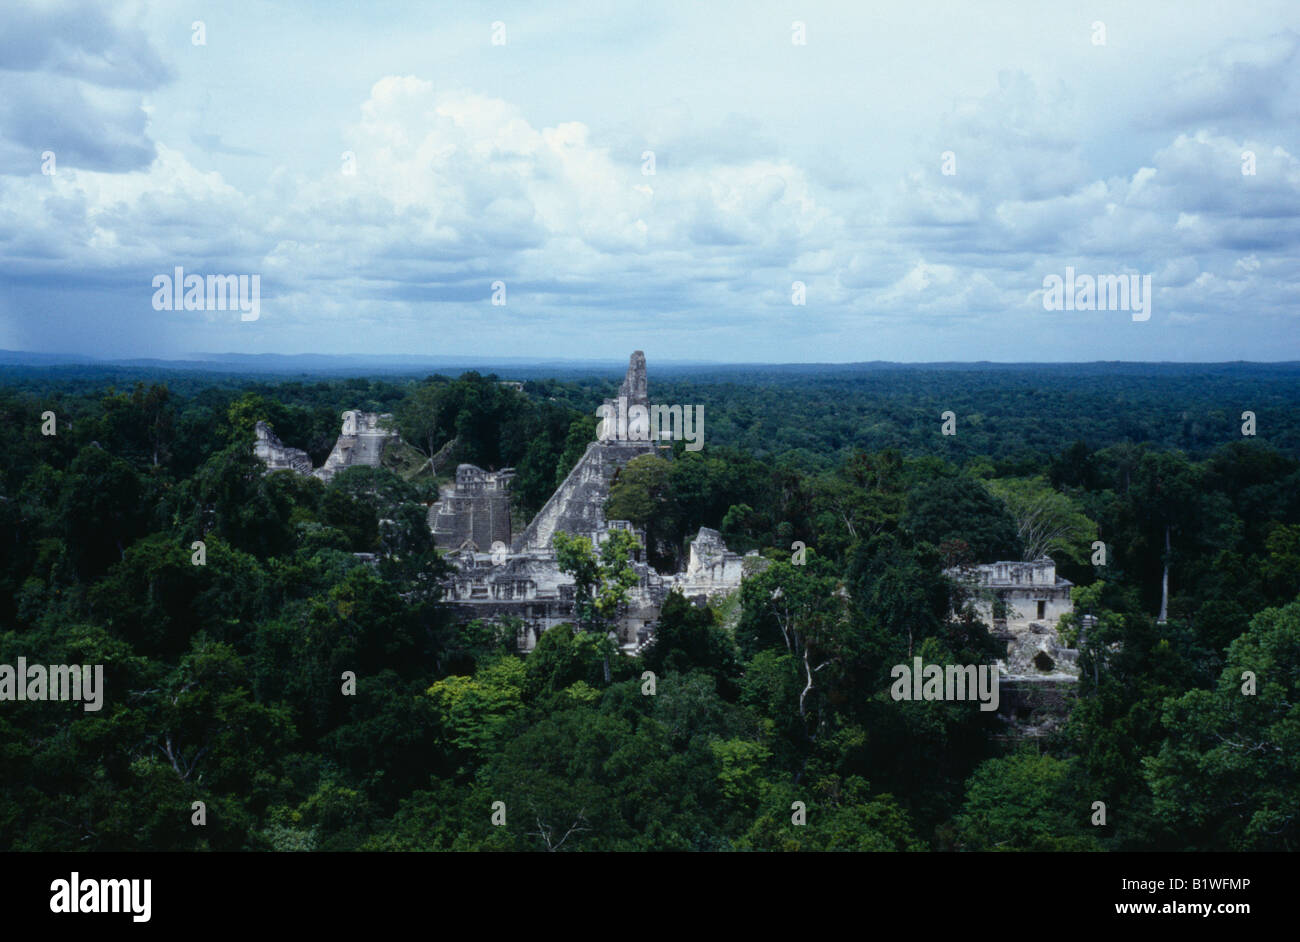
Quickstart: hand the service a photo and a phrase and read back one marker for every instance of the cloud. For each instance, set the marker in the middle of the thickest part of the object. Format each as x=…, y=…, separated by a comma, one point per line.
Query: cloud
x=448, y=189
x=1245, y=83
x=71, y=79
x=79, y=39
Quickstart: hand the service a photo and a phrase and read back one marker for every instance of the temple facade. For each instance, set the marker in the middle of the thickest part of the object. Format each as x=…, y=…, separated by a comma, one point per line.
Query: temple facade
x=474, y=512
x=1022, y=602
x=497, y=575
x=276, y=454
x=361, y=442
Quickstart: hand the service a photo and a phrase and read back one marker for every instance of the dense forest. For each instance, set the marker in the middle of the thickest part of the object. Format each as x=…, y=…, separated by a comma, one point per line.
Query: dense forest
x=224, y=680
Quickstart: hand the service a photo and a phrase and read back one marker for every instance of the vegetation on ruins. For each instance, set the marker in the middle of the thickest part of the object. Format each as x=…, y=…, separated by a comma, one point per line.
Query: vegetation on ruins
x=224, y=680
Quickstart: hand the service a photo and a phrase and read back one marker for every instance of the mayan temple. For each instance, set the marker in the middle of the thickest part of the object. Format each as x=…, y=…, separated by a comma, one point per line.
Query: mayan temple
x=578, y=506
x=361, y=443
x=522, y=578
x=276, y=454
x=497, y=573
x=474, y=512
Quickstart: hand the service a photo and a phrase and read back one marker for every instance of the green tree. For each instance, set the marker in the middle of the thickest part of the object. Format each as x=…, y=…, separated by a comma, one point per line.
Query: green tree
x=601, y=582
x=956, y=507
x=1025, y=802
x=1228, y=774
x=1048, y=523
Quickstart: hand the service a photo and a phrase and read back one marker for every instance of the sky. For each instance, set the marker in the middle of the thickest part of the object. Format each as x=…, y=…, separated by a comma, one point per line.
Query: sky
x=388, y=170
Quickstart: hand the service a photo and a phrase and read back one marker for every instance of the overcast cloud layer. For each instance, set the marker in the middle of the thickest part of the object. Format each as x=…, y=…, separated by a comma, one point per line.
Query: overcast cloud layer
x=774, y=163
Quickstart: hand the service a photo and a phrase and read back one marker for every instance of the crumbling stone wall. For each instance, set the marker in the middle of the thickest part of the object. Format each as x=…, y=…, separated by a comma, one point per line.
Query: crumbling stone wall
x=277, y=455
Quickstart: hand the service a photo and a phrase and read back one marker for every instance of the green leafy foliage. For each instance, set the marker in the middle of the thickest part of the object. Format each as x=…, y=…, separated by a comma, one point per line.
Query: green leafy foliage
x=229, y=683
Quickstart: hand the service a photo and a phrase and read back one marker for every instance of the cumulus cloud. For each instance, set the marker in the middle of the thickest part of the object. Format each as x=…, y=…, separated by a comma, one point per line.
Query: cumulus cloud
x=79, y=39
x=445, y=190
x=1244, y=82
x=71, y=77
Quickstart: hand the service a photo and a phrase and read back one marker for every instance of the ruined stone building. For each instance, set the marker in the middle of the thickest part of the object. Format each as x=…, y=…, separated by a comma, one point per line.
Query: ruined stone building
x=578, y=505
x=521, y=578
x=361, y=442
x=712, y=568
x=1023, y=601
x=276, y=454
x=474, y=512
x=1037, y=675
x=499, y=573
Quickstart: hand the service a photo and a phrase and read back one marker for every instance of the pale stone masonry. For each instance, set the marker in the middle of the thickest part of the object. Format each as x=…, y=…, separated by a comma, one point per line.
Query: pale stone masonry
x=530, y=586
x=474, y=512
x=361, y=443
x=711, y=566
x=1033, y=599
x=523, y=578
x=526, y=582
x=578, y=506
x=276, y=454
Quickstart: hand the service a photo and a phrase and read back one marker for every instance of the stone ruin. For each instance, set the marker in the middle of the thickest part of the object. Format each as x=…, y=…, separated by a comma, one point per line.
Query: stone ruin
x=474, y=512
x=1023, y=602
x=712, y=567
x=522, y=578
x=1037, y=675
x=361, y=442
x=499, y=574
x=276, y=454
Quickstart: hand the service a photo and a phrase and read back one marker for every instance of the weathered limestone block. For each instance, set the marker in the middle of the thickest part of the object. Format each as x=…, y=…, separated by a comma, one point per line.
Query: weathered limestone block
x=1033, y=598
x=361, y=442
x=474, y=512
x=276, y=454
x=578, y=506
x=712, y=568
x=526, y=583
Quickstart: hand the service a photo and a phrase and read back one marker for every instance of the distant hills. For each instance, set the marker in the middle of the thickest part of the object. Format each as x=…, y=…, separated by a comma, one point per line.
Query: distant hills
x=17, y=362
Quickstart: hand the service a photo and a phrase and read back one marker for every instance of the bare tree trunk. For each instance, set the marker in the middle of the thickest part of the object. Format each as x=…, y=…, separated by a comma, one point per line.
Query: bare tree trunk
x=1164, y=583
x=808, y=671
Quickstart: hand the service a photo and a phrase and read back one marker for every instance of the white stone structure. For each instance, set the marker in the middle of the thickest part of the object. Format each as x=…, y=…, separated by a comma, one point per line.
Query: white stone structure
x=1022, y=602
x=526, y=581
x=712, y=568
x=361, y=442
x=277, y=455
x=474, y=512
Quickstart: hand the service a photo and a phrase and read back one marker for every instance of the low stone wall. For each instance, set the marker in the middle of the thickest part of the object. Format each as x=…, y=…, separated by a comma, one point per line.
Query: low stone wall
x=1034, y=709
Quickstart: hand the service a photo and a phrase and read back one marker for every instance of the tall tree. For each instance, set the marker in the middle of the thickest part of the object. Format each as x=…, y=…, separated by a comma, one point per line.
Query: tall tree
x=602, y=580
x=1166, y=490
x=1048, y=522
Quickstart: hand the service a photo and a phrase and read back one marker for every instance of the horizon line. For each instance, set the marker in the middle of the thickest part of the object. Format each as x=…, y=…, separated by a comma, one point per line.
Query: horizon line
x=415, y=360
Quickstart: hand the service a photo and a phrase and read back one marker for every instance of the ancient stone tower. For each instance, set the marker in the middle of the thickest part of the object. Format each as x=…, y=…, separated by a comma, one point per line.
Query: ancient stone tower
x=578, y=506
